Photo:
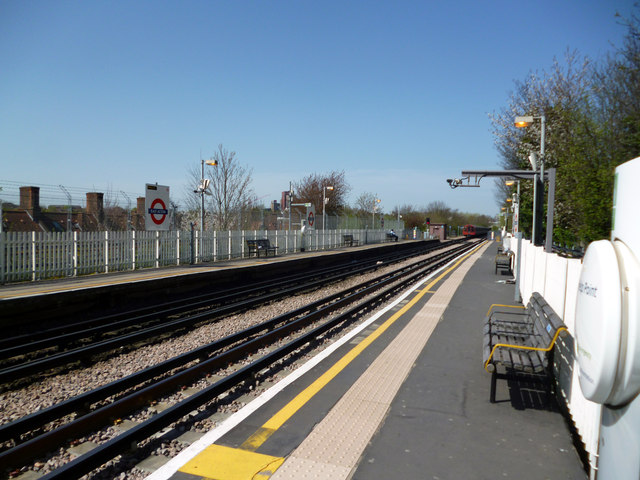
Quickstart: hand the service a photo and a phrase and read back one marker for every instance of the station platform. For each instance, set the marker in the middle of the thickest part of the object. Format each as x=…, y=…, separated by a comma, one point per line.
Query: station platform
x=102, y=294
x=404, y=396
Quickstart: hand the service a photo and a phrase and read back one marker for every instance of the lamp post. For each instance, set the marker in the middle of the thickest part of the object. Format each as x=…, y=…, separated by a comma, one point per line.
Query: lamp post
x=324, y=205
x=523, y=122
x=373, y=218
x=509, y=201
x=516, y=204
x=203, y=187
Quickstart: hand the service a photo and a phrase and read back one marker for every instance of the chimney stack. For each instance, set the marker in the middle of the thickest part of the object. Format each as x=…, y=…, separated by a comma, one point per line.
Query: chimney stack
x=30, y=201
x=95, y=205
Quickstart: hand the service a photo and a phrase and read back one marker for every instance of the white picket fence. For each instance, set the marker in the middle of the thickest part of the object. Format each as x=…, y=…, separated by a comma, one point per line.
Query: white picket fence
x=30, y=256
x=556, y=279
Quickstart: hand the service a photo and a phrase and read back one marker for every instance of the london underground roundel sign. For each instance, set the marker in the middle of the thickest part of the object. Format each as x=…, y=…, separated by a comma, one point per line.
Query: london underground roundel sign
x=311, y=219
x=156, y=211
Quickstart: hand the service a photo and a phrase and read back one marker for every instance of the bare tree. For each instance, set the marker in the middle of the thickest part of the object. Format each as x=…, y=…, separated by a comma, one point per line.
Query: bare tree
x=229, y=197
x=231, y=194
x=367, y=205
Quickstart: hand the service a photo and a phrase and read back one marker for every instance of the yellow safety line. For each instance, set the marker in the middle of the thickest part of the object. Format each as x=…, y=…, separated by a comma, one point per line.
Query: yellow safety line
x=501, y=305
x=277, y=420
x=523, y=347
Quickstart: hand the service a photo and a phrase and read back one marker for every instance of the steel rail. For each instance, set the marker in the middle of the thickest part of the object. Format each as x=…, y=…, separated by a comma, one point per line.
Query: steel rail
x=61, y=336
x=51, y=439
x=58, y=336
x=42, y=417
x=41, y=365
x=125, y=441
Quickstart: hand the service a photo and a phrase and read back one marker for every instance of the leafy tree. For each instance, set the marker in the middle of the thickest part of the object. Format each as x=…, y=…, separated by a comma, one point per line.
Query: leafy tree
x=311, y=189
x=593, y=125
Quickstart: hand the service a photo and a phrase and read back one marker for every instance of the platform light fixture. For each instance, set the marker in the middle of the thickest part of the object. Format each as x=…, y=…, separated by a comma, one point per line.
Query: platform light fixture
x=516, y=204
x=375, y=206
x=324, y=205
x=523, y=122
x=203, y=188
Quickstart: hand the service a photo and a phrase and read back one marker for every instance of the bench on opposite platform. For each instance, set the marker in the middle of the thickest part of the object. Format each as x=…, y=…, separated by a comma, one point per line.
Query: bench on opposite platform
x=261, y=245
x=349, y=241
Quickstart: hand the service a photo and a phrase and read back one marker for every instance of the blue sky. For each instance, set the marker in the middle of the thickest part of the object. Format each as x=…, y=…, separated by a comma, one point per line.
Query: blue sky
x=108, y=96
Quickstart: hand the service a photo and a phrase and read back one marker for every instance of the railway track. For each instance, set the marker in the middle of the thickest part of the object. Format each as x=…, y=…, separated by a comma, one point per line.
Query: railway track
x=25, y=357
x=294, y=330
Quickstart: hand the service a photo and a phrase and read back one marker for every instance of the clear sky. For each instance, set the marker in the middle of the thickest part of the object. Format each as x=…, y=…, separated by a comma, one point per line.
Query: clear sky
x=110, y=95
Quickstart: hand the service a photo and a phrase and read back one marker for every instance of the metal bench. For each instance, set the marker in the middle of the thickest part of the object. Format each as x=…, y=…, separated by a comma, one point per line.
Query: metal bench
x=391, y=237
x=261, y=245
x=349, y=241
x=519, y=340
x=503, y=261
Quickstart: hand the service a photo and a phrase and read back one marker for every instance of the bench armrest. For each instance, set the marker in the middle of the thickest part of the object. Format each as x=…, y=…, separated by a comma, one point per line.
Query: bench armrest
x=504, y=306
x=523, y=347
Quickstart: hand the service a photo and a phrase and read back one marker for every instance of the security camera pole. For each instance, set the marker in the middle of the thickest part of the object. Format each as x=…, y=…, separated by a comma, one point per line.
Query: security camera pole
x=202, y=189
x=549, y=175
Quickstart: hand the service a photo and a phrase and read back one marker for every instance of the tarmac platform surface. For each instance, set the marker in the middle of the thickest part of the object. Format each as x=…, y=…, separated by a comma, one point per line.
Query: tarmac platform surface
x=441, y=424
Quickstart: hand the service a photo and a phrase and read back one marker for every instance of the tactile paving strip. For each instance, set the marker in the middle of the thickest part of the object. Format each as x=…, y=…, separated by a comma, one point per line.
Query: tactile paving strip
x=335, y=445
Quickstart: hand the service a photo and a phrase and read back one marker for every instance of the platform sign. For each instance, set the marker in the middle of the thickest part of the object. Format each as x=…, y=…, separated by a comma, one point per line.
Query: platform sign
x=311, y=216
x=156, y=206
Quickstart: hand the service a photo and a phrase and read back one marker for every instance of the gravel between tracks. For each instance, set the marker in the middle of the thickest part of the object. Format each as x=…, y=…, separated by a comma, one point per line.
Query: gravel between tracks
x=51, y=390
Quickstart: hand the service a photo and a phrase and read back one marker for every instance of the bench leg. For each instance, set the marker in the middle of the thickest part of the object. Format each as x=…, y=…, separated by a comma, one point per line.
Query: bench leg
x=494, y=379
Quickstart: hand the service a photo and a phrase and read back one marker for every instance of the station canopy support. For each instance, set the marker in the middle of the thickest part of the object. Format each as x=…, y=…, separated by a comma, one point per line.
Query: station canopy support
x=472, y=178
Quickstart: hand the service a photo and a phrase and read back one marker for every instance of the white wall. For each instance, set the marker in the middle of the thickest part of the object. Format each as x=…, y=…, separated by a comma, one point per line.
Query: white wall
x=556, y=279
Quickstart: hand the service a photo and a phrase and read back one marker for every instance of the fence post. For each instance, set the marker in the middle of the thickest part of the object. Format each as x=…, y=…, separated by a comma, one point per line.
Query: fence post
x=75, y=254
x=177, y=247
x=33, y=256
x=133, y=250
x=229, y=250
x=193, y=245
x=157, y=249
x=3, y=254
x=215, y=245
x=106, y=252
x=196, y=246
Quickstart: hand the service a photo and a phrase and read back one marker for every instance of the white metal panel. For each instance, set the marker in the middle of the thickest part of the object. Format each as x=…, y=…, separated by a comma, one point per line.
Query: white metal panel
x=540, y=270
x=555, y=281
x=528, y=271
x=586, y=417
x=574, y=267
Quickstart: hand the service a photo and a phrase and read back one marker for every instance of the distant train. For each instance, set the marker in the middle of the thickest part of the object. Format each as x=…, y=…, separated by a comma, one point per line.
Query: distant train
x=474, y=231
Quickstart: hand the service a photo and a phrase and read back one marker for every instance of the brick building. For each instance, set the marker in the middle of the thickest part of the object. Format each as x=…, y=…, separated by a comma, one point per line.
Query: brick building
x=30, y=217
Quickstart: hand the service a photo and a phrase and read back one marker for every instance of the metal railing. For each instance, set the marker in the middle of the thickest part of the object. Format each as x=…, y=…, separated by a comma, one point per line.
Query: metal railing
x=31, y=256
